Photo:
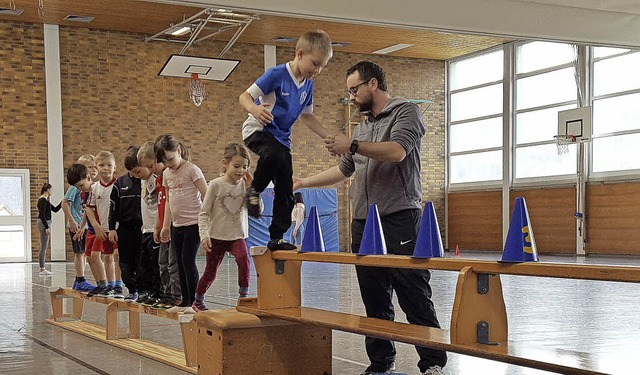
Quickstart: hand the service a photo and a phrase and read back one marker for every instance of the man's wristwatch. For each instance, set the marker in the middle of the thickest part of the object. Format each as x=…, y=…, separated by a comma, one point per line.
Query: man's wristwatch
x=354, y=147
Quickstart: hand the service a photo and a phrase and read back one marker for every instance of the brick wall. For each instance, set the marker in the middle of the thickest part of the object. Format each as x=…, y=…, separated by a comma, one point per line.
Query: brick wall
x=112, y=97
x=23, y=128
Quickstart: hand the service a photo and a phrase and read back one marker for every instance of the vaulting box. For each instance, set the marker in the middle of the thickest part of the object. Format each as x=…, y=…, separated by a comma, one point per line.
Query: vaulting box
x=235, y=343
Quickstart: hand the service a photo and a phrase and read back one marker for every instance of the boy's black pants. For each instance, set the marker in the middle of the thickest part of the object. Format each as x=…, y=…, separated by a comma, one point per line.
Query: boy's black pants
x=275, y=165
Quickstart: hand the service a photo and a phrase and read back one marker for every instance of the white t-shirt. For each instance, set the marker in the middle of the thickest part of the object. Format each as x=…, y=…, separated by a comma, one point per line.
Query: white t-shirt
x=100, y=201
x=149, y=204
x=224, y=211
x=185, y=201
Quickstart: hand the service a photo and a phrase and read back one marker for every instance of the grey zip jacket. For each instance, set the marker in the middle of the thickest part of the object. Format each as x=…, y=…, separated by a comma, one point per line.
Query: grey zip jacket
x=392, y=186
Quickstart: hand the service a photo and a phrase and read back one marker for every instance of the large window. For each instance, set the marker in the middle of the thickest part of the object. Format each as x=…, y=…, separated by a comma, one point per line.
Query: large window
x=616, y=113
x=544, y=81
x=475, y=118
x=544, y=84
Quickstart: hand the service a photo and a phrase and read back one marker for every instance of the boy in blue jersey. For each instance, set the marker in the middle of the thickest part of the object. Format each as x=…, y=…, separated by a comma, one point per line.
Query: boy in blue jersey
x=73, y=212
x=282, y=95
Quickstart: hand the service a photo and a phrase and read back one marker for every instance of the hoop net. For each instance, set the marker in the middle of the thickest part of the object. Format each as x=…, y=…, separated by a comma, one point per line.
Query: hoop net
x=563, y=141
x=196, y=89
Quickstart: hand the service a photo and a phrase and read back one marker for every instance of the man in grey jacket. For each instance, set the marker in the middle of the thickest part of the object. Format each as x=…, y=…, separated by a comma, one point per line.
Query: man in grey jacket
x=384, y=154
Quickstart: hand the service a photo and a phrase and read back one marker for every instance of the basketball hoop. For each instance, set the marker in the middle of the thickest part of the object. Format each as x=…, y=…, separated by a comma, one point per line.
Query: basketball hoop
x=563, y=141
x=196, y=89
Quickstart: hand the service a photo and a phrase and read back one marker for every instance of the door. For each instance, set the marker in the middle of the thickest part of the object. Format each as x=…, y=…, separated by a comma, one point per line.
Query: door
x=15, y=216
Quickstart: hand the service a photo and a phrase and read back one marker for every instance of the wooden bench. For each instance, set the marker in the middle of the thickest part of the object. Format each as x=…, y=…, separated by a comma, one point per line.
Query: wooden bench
x=131, y=340
x=478, y=320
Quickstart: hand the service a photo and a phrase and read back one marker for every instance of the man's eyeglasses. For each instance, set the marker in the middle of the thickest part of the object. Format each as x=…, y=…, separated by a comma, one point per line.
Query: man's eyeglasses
x=354, y=90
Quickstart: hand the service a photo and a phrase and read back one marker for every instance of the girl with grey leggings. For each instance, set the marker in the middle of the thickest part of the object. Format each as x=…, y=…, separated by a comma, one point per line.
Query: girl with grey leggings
x=43, y=224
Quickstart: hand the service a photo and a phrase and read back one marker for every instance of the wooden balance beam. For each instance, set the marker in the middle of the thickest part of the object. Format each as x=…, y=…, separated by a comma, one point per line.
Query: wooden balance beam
x=131, y=341
x=478, y=319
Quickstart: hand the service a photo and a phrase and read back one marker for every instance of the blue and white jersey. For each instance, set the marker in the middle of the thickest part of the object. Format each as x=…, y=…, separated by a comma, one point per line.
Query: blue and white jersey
x=288, y=99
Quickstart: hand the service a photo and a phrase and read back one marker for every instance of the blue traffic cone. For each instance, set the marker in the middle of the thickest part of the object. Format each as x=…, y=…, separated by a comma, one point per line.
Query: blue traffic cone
x=312, y=240
x=372, y=242
x=520, y=245
x=429, y=242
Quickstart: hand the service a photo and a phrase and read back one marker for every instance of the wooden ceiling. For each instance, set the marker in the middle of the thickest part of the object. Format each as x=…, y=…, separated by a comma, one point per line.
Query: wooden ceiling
x=150, y=18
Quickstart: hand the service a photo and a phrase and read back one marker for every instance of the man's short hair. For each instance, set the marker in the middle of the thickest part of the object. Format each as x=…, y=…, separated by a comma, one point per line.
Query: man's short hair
x=369, y=70
x=76, y=173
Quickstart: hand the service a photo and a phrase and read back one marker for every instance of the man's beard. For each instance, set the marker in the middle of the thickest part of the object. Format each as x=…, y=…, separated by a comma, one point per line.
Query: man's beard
x=364, y=107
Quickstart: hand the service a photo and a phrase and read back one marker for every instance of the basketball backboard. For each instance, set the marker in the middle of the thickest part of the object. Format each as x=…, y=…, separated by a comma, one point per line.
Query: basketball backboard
x=575, y=122
x=212, y=69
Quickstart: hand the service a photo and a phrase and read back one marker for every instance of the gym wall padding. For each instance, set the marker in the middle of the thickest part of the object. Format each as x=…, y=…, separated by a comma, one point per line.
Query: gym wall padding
x=326, y=200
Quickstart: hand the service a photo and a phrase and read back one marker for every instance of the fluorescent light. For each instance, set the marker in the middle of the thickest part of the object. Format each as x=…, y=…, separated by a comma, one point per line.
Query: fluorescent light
x=11, y=12
x=75, y=18
x=181, y=31
x=393, y=48
x=284, y=39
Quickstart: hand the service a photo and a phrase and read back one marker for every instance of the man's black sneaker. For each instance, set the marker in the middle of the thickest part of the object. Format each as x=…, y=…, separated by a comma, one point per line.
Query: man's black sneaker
x=253, y=202
x=280, y=245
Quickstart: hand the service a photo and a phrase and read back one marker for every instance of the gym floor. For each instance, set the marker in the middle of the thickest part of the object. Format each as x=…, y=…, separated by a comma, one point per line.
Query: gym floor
x=591, y=322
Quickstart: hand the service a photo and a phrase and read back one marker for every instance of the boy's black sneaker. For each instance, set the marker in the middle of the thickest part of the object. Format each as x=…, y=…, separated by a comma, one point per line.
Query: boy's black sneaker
x=108, y=292
x=117, y=292
x=142, y=296
x=96, y=291
x=280, y=245
x=253, y=202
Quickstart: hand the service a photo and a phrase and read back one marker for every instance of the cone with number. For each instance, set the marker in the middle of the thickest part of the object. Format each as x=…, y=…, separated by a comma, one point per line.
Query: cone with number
x=372, y=242
x=429, y=242
x=520, y=245
x=312, y=240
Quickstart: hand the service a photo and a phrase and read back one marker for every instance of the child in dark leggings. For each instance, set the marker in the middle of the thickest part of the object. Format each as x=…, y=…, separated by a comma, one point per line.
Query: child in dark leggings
x=186, y=187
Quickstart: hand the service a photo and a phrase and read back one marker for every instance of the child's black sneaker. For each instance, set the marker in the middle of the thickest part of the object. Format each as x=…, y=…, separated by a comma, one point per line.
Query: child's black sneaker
x=253, y=202
x=280, y=245
x=118, y=292
x=96, y=291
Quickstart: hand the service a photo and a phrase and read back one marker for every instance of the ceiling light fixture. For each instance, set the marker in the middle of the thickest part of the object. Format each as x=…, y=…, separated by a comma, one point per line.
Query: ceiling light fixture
x=393, y=48
x=180, y=31
x=340, y=44
x=11, y=12
x=284, y=39
x=75, y=18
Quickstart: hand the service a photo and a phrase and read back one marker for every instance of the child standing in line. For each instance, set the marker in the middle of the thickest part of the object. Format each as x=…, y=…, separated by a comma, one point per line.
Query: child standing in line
x=223, y=221
x=73, y=212
x=186, y=187
x=44, y=222
x=171, y=293
x=98, y=214
x=125, y=224
x=275, y=101
x=78, y=176
x=297, y=218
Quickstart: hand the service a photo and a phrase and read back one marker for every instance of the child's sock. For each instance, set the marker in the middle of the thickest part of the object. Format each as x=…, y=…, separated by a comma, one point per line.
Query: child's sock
x=119, y=283
x=111, y=284
x=199, y=298
x=102, y=283
x=80, y=279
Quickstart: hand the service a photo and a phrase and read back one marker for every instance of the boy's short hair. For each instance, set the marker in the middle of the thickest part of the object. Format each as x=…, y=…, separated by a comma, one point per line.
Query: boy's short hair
x=87, y=159
x=104, y=154
x=76, y=173
x=131, y=158
x=316, y=41
x=146, y=152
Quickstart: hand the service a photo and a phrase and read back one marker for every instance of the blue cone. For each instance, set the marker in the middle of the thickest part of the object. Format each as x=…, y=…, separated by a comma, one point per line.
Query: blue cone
x=312, y=240
x=429, y=242
x=520, y=245
x=373, y=239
